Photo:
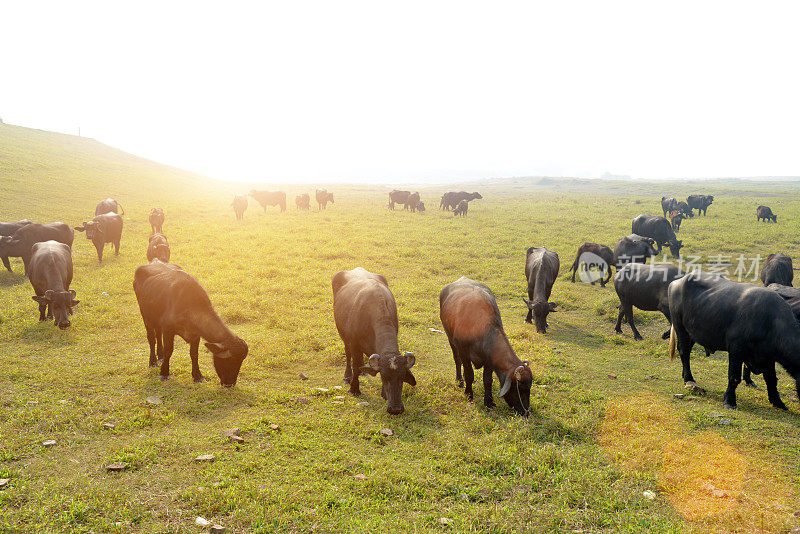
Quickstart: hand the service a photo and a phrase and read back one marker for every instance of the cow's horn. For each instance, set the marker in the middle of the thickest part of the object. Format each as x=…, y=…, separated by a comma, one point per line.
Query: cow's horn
x=506, y=387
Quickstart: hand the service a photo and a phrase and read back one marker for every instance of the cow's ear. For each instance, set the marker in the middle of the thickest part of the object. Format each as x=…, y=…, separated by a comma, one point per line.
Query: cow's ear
x=81, y=228
x=528, y=303
x=410, y=359
x=218, y=350
x=552, y=306
x=369, y=370
x=375, y=362
x=408, y=378
x=40, y=300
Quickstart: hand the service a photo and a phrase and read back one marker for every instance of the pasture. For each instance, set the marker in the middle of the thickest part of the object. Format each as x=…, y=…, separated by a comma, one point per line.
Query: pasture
x=605, y=425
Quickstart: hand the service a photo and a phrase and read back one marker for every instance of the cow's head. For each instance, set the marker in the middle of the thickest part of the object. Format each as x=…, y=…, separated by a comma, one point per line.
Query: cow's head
x=675, y=247
x=394, y=370
x=228, y=357
x=476, y=195
x=420, y=206
x=60, y=303
x=91, y=228
x=540, y=309
x=516, y=389
x=330, y=197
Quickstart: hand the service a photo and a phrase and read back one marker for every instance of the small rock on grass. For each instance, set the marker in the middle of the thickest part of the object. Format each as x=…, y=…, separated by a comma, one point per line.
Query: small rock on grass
x=217, y=529
x=322, y=390
x=32, y=403
x=4, y=482
x=649, y=495
x=679, y=395
x=109, y=426
x=337, y=387
x=339, y=397
x=202, y=522
x=363, y=403
x=205, y=458
x=117, y=467
x=233, y=438
x=303, y=376
x=444, y=521
x=302, y=400
x=612, y=377
x=360, y=476
x=725, y=421
x=387, y=432
x=275, y=427
x=49, y=443
x=154, y=400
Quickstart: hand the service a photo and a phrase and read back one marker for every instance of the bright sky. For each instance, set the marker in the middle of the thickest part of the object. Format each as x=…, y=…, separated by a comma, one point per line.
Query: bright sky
x=415, y=91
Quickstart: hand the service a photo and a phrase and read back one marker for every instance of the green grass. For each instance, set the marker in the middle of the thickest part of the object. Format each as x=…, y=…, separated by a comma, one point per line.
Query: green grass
x=592, y=445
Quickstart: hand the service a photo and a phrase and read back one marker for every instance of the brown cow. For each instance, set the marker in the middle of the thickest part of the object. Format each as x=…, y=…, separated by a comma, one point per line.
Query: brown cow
x=158, y=248
x=109, y=205
x=270, y=198
x=398, y=197
x=239, y=204
x=675, y=219
x=765, y=214
x=157, y=220
x=50, y=273
x=593, y=255
x=323, y=197
x=541, y=270
x=105, y=228
x=303, y=202
x=461, y=209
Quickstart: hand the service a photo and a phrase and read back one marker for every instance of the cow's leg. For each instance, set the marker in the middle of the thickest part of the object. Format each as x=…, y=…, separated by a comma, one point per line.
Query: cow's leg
x=469, y=377
x=49, y=311
x=629, y=316
x=99, y=248
x=169, y=346
x=488, y=399
x=529, y=317
x=356, y=361
x=748, y=381
x=771, y=380
x=159, y=345
x=618, y=327
x=607, y=270
x=734, y=377
x=116, y=247
x=685, y=344
x=42, y=312
x=194, y=347
x=665, y=311
x=457, y=359
x=6, y=263
x=348, y=370
x=151, y=340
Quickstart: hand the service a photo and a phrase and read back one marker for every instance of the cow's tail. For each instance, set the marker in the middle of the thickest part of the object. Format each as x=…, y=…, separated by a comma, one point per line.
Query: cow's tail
x=673, y=342
x=120, y=207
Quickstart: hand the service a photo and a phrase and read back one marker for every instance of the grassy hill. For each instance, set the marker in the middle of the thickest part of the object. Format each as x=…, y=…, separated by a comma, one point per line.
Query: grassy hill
x=605, y=425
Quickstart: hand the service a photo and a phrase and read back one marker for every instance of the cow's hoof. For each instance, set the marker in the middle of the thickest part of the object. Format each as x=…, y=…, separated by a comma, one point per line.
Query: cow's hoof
x=638, y=338
x=199, y=380
x=163, y=378
x=461, y=384
x=780, y=405
x=751, y=385
x=347, y=379
x=489, y=404
x=529, y=321
x=694, y=388
x=729, y=406
x=665, y=335
x=618, y=330
x=153, y=364
x=356, y=393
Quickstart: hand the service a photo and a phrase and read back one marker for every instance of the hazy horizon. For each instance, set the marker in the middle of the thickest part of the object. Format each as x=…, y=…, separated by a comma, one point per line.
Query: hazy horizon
x=423, y=93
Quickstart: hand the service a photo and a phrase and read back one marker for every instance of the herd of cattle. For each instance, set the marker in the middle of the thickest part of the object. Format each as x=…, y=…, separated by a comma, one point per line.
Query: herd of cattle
x=757, y=326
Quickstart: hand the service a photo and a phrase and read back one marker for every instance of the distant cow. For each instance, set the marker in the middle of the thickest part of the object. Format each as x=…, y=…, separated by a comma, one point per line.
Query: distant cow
x=50, y=273
x=541, y=270
x=158, y=248
x=471, y=320
x=777, y=270
x=700, y=202
x=419, y=207
x=412, y=201
x=105, y=228
x=239, y=204
x=643, y=286
x=303, y=202
x=765, y=214
x=270, y=198
x=668, y=205
x=461, y=209
x=593, y=255
x=172, y=302
x=675, y=219
x=684, y=208
x=753, y=324
x=7, y=229
x=157, y=220
x=365, y=313
x=398, y=197
x=451, y=199
x=19, y=244
x=323, y=197
x=633, y=249
x=109, y=205
x=660, y=230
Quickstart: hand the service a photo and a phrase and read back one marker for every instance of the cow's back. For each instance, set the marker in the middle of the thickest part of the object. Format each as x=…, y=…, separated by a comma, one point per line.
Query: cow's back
x=468, y=310
x=50, y=260
x=362, y=299
x=167, y=294
x=37, y=233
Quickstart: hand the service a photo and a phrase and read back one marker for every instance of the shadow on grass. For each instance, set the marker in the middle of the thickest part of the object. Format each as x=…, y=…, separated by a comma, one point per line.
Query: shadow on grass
x=11, y=279
x=46, y=332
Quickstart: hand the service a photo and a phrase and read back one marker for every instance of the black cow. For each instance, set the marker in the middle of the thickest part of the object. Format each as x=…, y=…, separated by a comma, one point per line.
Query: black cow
x=777, y=270
x=594, y=255
x=109, y=205
x=765, y=214
x=419, y=207
x=700, y=202
x=172, y=302
x=19, y=244
x=365, y=313
x=50, y=273
x=753, y=324
x=461, y=209
x=303, y=202
x=398, y=197
x=7, y=229
x=471, y=320
x=451, y=199
x=323, y=197
x=668, y=205
x=660, y=230
x=269, y=198
x=541, y=270
x=633, y=249
x=158, y=248
x=105, y=228
x=684, y=208
x=157, y=220
x=643, y=286
x=239, y=204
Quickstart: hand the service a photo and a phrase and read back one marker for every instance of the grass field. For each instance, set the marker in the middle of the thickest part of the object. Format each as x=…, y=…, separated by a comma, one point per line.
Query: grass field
x=604, y=428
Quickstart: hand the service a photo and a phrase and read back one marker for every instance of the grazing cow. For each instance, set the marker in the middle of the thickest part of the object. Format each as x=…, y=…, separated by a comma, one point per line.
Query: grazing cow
x=172, y=302
x=398, y=197
x=7, y=229
x=791, y=295
x=461, y=209
x=365, y=313
x=109, y=205
x=643, y=286
x=50, y=273
x=19, y=244
x=660, y=230
x=541, y=270
x=452, y=199
x=593, y=255
x=239, y=204
x=777, y=270
x=270, y=198
x=419, y=207
x=157, y=220
x=471, y=320
x=105, y=228
x=700, y=202
x=323, y=197
x=753, y=324
x=668, y=205
x=412, y=201
x=765, y=214
x=633, y=249
x=684, y=208
x=303, y=202
x=675, y=219
x=158, y=248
